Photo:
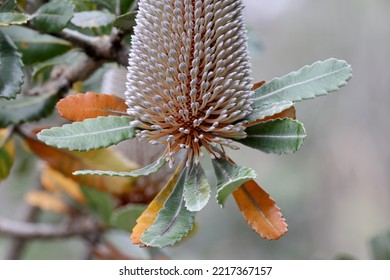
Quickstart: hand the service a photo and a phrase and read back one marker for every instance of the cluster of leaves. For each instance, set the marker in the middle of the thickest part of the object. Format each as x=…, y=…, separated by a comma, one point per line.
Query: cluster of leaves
x=271, y=128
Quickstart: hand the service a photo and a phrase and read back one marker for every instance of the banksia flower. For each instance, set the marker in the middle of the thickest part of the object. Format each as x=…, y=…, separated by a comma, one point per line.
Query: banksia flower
x=189, y=89
x=189, y=83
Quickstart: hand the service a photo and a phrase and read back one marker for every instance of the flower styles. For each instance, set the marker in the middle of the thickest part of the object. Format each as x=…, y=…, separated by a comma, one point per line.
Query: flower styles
x=189, y=82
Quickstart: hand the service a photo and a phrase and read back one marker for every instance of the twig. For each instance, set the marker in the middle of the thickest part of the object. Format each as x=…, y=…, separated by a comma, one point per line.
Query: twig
x=25, y=230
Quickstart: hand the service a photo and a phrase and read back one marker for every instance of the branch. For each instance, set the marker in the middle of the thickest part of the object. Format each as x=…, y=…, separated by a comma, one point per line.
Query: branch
x=26, y=230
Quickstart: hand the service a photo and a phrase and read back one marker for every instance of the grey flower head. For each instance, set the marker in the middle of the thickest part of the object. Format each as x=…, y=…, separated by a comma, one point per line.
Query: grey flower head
x=189, y=83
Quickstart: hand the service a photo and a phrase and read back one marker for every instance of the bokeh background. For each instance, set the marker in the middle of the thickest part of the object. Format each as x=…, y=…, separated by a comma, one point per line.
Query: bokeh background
x=335, y=192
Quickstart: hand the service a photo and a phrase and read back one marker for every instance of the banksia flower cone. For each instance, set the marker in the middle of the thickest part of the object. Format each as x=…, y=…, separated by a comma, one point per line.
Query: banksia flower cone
x=189, y=82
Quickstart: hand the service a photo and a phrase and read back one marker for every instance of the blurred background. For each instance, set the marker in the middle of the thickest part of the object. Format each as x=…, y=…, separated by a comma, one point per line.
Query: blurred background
x=334, y=192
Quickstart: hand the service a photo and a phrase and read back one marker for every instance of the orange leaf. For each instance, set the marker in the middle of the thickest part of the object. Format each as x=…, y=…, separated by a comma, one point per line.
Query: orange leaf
x=55, y=181
x=90, y=105
x=257, y=85
x=148, y=217
x=46, y=201
x=104, y=159
x=260, y=211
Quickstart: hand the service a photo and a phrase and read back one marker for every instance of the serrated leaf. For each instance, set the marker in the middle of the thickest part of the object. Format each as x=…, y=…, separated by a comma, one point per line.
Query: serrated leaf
x=90, y=134
x=148, y=217
x=53, y=16
x=260, y=211
x=36, y=47
x=173, y=221
x=100, y=203
x=67, y=162
x=144, y=171
x=268, y=110
x=7, y=153
x=27, y=108
x=380, y=246
x=126, y=21
x=196, y=189
x=7, y=19
x=11, y=68
x=230, y=176
x=311, y=81
x=47, y=201
x=92, y=19
x=289, y=113
x=125, y=218
x=55, y=181
x=280, y=136
x=8, y=6
x=90, y=105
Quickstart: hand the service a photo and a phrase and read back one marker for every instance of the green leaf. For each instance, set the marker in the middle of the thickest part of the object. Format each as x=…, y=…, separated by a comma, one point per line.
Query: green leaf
x=89, y=134
x=196, y=188
x=8, y=6
x=25, y=109
x=53, y=16
x=125, y=218
x=36, y=47
x=380, y=246
x=144, y=171
x=11, y=68
x=66, y=58
x=126, y=21
x=268, y=110
x=230, y=177
x=100, y=203
x=92, y=19
x=126, y=6
x=7, y=153
x=173, y=221
x=311, y=81
x=12, y=18
x=280, y=136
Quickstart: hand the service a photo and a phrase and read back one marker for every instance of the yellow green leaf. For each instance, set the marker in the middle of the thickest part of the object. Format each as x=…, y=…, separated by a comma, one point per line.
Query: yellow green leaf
x=148, y=217
x=7, y=153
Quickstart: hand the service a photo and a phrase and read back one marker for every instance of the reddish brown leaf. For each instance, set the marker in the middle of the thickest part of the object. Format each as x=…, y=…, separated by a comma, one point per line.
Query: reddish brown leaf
x=257, y=85
x=104, y=159
x=260, y=211
x=90, y=105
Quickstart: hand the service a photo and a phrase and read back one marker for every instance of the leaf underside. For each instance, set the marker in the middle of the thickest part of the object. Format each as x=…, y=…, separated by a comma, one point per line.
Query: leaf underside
x=230, y=176
x=90, y=134
x=311, y=81
x=144, y=171
x=260, y=211
x=268, y=110
x=173, y=221
x=196, y=188
x=148, y=217
x=12, y=18
x=92, y=19
x=90, y=105
x=279, y=136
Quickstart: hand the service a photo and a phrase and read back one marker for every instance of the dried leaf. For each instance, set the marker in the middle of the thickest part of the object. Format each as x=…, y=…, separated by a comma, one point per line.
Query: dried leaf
x=67, y=162
x=288, y=113
x=257, y=85
x=46, y=201
x=148, y=217
x=260, y=211
x=90, y=105
x=55, y=181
